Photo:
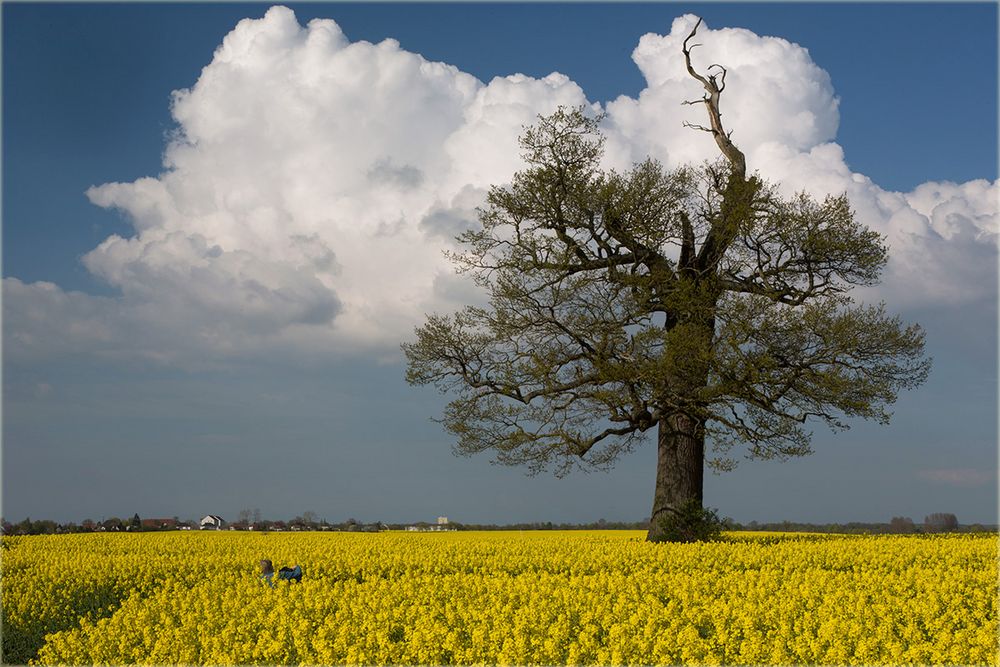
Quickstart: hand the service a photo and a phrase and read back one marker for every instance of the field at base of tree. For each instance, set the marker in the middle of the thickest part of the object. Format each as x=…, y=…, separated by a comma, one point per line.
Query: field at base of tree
x=500, y=598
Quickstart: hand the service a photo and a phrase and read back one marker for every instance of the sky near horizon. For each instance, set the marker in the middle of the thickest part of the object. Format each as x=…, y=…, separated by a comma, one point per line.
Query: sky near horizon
x=220, y=221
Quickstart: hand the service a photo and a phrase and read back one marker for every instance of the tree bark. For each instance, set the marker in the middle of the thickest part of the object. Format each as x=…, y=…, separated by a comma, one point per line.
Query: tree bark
x=680, y=468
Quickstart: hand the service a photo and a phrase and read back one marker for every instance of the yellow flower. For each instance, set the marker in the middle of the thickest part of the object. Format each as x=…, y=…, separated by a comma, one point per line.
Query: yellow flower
x=500, y=598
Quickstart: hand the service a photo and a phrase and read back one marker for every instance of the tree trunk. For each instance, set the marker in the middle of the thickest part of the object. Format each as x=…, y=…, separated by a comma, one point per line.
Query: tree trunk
x=680, y=468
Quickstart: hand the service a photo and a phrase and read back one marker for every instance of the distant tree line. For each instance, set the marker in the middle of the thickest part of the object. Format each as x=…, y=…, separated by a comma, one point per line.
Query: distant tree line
x=899, y=525
x=308, y=521
x=600, y=524
x=247, y=520
x=113, y=525
x=934, y=523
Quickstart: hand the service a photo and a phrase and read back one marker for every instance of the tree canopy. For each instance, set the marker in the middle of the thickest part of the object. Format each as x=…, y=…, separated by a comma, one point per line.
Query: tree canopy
x=695, y=300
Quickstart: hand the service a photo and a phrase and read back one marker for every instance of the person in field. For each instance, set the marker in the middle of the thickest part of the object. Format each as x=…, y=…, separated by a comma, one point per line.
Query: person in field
x=289, y=573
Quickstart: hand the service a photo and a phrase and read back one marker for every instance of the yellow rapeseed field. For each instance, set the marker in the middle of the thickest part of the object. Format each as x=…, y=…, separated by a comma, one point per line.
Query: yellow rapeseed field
x=499, y=598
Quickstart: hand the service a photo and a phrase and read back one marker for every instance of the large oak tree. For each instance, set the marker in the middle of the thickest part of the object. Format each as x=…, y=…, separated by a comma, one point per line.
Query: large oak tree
x=695, y=302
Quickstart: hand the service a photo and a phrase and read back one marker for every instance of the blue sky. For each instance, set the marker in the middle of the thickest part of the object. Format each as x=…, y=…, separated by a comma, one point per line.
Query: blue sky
x=114, y=409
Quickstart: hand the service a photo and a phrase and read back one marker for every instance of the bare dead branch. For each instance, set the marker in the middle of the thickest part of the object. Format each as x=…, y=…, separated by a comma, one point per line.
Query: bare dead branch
x=687, y=55
x=722, y=80
x=698, y=127
x=713, y=88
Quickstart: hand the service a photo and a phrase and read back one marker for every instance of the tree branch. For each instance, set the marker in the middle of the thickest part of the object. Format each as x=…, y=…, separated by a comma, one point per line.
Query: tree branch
x=695, y=126
x=713, y=89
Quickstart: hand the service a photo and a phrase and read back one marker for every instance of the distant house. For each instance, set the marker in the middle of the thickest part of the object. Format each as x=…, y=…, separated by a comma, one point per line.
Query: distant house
x=212, y=522
x=423, y=527
x=159, y=524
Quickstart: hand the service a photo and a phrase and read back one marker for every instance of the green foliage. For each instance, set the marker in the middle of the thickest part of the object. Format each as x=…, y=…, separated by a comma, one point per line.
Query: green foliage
x=690, y=523
x=620, y=299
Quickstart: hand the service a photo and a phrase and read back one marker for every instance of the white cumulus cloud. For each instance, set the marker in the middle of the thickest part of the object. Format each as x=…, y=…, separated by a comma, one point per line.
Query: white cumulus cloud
x=313, y=182
x=774, y=93
x=783, y=113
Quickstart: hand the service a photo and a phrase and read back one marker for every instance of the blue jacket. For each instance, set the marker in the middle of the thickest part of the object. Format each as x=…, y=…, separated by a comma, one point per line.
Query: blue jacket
x=291, y=574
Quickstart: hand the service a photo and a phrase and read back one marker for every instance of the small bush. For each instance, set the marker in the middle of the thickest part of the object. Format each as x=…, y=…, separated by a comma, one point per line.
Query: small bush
x=691, y=523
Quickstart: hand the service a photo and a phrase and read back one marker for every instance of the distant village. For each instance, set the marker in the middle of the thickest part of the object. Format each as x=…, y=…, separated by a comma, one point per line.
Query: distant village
x=213, y=522
x=307, y=522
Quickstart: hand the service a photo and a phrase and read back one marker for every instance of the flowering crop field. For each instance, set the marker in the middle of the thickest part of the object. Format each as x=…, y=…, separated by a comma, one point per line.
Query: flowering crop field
x=499, y=598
